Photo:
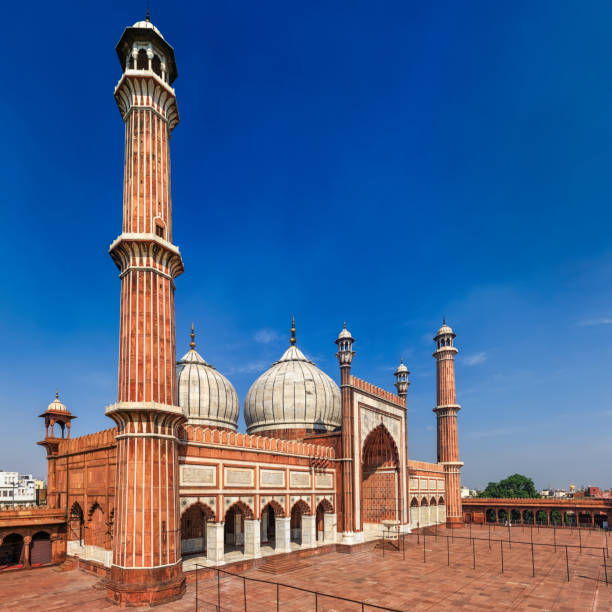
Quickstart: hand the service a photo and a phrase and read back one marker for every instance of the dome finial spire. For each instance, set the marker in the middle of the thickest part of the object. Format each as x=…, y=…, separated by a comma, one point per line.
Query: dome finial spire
x=148, y=18
x=192, y=344
x=292, y=340
x=57, y=394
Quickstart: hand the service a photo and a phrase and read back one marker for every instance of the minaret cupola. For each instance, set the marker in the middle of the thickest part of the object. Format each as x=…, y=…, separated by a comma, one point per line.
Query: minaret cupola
x=345, y=352
x=401, y=379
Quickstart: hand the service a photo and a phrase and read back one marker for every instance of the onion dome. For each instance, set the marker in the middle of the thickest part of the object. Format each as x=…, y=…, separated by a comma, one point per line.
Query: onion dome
x=344, y=334
x=293, y=394
x=401, y=368
x=57, y=406
x=205, y=395
x=147, y=25
x=445, y=330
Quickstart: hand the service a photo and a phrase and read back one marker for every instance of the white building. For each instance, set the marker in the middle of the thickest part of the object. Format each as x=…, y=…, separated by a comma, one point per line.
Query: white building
x=17, y=489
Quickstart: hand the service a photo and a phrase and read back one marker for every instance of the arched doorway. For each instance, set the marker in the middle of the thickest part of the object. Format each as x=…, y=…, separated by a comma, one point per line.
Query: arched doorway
x=75, y=523
x=299, y=508
x=233, y=530
x=40, y=549
x=269, y=513
x=379, y=477
x=414, y=512
x=433, y=510
x=193, y=528
x=12, y=552
x=491, y=515
x=424, y=512
x=97, y=533
x=323, y=508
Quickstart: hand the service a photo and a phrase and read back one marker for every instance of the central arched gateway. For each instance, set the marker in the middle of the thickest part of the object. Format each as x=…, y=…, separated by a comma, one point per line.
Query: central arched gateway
x=379, y=477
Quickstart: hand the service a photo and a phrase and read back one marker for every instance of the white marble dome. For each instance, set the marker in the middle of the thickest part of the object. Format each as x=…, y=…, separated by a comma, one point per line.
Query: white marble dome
x=147, y=25
x=205, y=395
x=293, y=394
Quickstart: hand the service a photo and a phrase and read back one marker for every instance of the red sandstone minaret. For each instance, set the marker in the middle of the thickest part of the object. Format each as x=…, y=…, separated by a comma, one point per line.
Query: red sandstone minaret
x=446, y=410
x=345, y=356
x=147, y=565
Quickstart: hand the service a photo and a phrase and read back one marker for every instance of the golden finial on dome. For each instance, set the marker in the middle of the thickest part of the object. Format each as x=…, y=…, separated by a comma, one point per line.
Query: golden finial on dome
x=292, y=340
x=57, y=394
x=192, y=343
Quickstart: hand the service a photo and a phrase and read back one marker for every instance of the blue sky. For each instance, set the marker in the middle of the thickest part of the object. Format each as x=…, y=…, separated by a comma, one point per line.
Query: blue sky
x=381, y=163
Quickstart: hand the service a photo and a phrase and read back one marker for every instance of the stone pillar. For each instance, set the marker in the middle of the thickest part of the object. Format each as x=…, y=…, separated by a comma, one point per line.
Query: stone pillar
x=309, y=531
x=26, y=551
x=238, y=535
x=214, y=543
x=329, y=528
x=264, y=526
x=251, y=538
x=282, y=528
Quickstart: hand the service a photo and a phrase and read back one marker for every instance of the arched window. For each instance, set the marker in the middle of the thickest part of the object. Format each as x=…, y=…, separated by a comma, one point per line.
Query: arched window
x=156, y=64
x=143, y=60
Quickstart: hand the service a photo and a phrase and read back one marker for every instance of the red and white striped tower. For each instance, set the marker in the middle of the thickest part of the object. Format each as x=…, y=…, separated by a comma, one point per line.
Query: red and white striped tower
x=446, y=410
x=345, y=356
x=147, y=567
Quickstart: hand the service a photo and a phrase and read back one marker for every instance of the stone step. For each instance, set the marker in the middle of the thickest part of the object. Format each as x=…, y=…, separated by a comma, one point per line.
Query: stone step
x=282, y=565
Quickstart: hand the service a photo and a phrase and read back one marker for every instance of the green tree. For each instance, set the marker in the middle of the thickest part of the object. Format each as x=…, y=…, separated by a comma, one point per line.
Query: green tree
x=516, y=485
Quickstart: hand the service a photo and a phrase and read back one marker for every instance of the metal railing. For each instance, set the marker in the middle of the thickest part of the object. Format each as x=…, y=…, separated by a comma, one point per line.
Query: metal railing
x=533, y=546
x=317, y=595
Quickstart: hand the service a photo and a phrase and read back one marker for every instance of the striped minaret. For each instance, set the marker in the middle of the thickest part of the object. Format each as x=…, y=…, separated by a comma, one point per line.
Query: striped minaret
x=446, y=410
x=147, y=567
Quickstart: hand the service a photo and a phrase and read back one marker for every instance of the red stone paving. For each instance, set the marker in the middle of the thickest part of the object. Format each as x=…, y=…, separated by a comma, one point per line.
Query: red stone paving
x=409, y=584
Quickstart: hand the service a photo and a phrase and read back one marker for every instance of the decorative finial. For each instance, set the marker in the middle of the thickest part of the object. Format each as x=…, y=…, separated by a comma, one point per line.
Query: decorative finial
x=147, y=18
x=344, y=325
x=192, y=343
x=292, y=341
x=401, y=361
x=444, y=320
x=57, y=394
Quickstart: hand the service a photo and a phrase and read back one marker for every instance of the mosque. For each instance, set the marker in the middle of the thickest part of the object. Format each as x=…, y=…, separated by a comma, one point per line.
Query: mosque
x=174, y=482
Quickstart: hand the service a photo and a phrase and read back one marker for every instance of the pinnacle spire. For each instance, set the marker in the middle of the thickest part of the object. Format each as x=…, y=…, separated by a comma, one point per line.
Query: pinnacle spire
x=192, y=344
x=292, y=340
x=148, y=17
x=57, y=394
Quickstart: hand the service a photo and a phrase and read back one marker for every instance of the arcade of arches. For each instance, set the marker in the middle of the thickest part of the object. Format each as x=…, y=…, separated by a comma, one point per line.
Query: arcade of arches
x=584, y=512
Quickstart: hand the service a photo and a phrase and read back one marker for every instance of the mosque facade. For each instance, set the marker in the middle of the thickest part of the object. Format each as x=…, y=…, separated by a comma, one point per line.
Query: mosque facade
x=321, y=464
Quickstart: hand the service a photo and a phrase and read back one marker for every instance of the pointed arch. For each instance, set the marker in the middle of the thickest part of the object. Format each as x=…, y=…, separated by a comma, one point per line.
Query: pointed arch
x=325, y=505
x=441, y=501
x=414, y=503
x=244, y=509
x=433, y=502
x=279, y=511
x=379, y=448
x=424, y=502
x=302, y=506
x=207, y=511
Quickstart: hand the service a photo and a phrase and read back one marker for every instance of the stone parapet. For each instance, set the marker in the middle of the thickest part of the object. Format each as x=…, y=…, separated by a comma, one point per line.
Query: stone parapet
x=383, y=394
x=215, y=437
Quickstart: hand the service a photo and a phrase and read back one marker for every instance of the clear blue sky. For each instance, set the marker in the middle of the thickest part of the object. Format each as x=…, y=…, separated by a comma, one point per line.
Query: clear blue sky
x=384, y=163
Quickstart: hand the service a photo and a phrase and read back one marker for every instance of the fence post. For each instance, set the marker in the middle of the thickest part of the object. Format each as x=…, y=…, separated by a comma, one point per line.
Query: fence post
x=219, y=590
x=474, y=553
x=501, y=548
x=580, y=538
x=404, y=545
x=532, y=562
x=489, y=536
x=567, y=563
x=244, y=592
x=447, y=552
x=509, y=535
x=555, y=536
x=603, y=554
x=316, y=602
x=196, y=587
x=424, y=556
x=277, y=598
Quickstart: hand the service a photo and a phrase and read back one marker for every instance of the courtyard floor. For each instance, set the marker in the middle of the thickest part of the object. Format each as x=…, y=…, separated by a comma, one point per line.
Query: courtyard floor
x=423, y=580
